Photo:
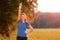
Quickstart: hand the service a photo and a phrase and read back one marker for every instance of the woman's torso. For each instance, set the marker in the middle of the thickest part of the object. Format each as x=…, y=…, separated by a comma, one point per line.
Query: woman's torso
x=22, y=28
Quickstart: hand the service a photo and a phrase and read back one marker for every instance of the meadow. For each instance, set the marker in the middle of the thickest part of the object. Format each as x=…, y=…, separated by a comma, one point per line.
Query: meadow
x=39, y=34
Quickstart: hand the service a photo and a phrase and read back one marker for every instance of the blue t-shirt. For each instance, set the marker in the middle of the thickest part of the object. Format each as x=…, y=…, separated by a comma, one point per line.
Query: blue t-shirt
x=22, y=28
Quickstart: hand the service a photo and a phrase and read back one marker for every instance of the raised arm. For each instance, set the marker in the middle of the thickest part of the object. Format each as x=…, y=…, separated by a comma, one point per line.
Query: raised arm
x=19, y=11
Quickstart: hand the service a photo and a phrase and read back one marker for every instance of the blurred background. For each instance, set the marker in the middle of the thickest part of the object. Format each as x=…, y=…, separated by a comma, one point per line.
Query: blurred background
x=44, y=16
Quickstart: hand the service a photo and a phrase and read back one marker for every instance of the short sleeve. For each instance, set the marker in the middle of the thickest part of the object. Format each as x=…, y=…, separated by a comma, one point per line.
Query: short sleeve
x=28, y=24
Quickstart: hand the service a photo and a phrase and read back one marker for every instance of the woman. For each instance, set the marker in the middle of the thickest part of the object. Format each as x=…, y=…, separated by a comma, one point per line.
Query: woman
x=22, y=25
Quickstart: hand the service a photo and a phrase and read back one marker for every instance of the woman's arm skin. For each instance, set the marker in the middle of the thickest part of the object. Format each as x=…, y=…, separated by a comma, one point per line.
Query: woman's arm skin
x=30, y=29
x=19, y=11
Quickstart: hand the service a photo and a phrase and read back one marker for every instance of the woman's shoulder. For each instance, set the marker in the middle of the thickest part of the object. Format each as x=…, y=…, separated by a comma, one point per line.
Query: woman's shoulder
x=28, y=23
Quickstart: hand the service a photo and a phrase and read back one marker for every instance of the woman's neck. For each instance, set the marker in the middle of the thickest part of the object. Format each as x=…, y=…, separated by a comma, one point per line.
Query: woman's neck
x=23, y=21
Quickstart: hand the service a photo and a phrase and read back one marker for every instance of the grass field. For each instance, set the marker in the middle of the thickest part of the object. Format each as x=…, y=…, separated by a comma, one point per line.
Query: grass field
x=40, y=34
x=45, y=34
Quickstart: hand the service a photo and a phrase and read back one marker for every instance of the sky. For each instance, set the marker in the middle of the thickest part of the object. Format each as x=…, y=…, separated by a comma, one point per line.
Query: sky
x=49, y=5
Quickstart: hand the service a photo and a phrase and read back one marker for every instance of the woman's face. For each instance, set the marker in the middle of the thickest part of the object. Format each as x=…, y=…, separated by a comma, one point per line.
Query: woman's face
x=23, y=16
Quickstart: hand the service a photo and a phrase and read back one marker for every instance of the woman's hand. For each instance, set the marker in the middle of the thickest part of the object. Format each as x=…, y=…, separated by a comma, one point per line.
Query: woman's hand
x=26, y=32
x=20, y=5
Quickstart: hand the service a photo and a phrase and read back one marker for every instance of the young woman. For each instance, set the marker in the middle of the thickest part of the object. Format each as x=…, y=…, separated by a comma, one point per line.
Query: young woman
x=22, y=25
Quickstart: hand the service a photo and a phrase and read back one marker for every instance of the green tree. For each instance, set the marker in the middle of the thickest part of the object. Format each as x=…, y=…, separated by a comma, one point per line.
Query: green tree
x=8, y=8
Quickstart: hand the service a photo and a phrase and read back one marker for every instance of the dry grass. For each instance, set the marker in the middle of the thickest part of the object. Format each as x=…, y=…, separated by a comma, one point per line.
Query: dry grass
x=45, y=34
x=40, y=34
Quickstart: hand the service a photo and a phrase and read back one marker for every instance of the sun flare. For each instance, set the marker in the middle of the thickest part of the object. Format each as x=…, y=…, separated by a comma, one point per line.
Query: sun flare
x=49, y=5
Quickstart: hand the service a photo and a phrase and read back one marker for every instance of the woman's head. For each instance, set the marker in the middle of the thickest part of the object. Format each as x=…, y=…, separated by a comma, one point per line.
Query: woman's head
x=23, y=17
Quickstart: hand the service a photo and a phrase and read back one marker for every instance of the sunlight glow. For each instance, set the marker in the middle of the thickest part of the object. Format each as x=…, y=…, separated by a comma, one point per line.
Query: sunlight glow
x=49, y=5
